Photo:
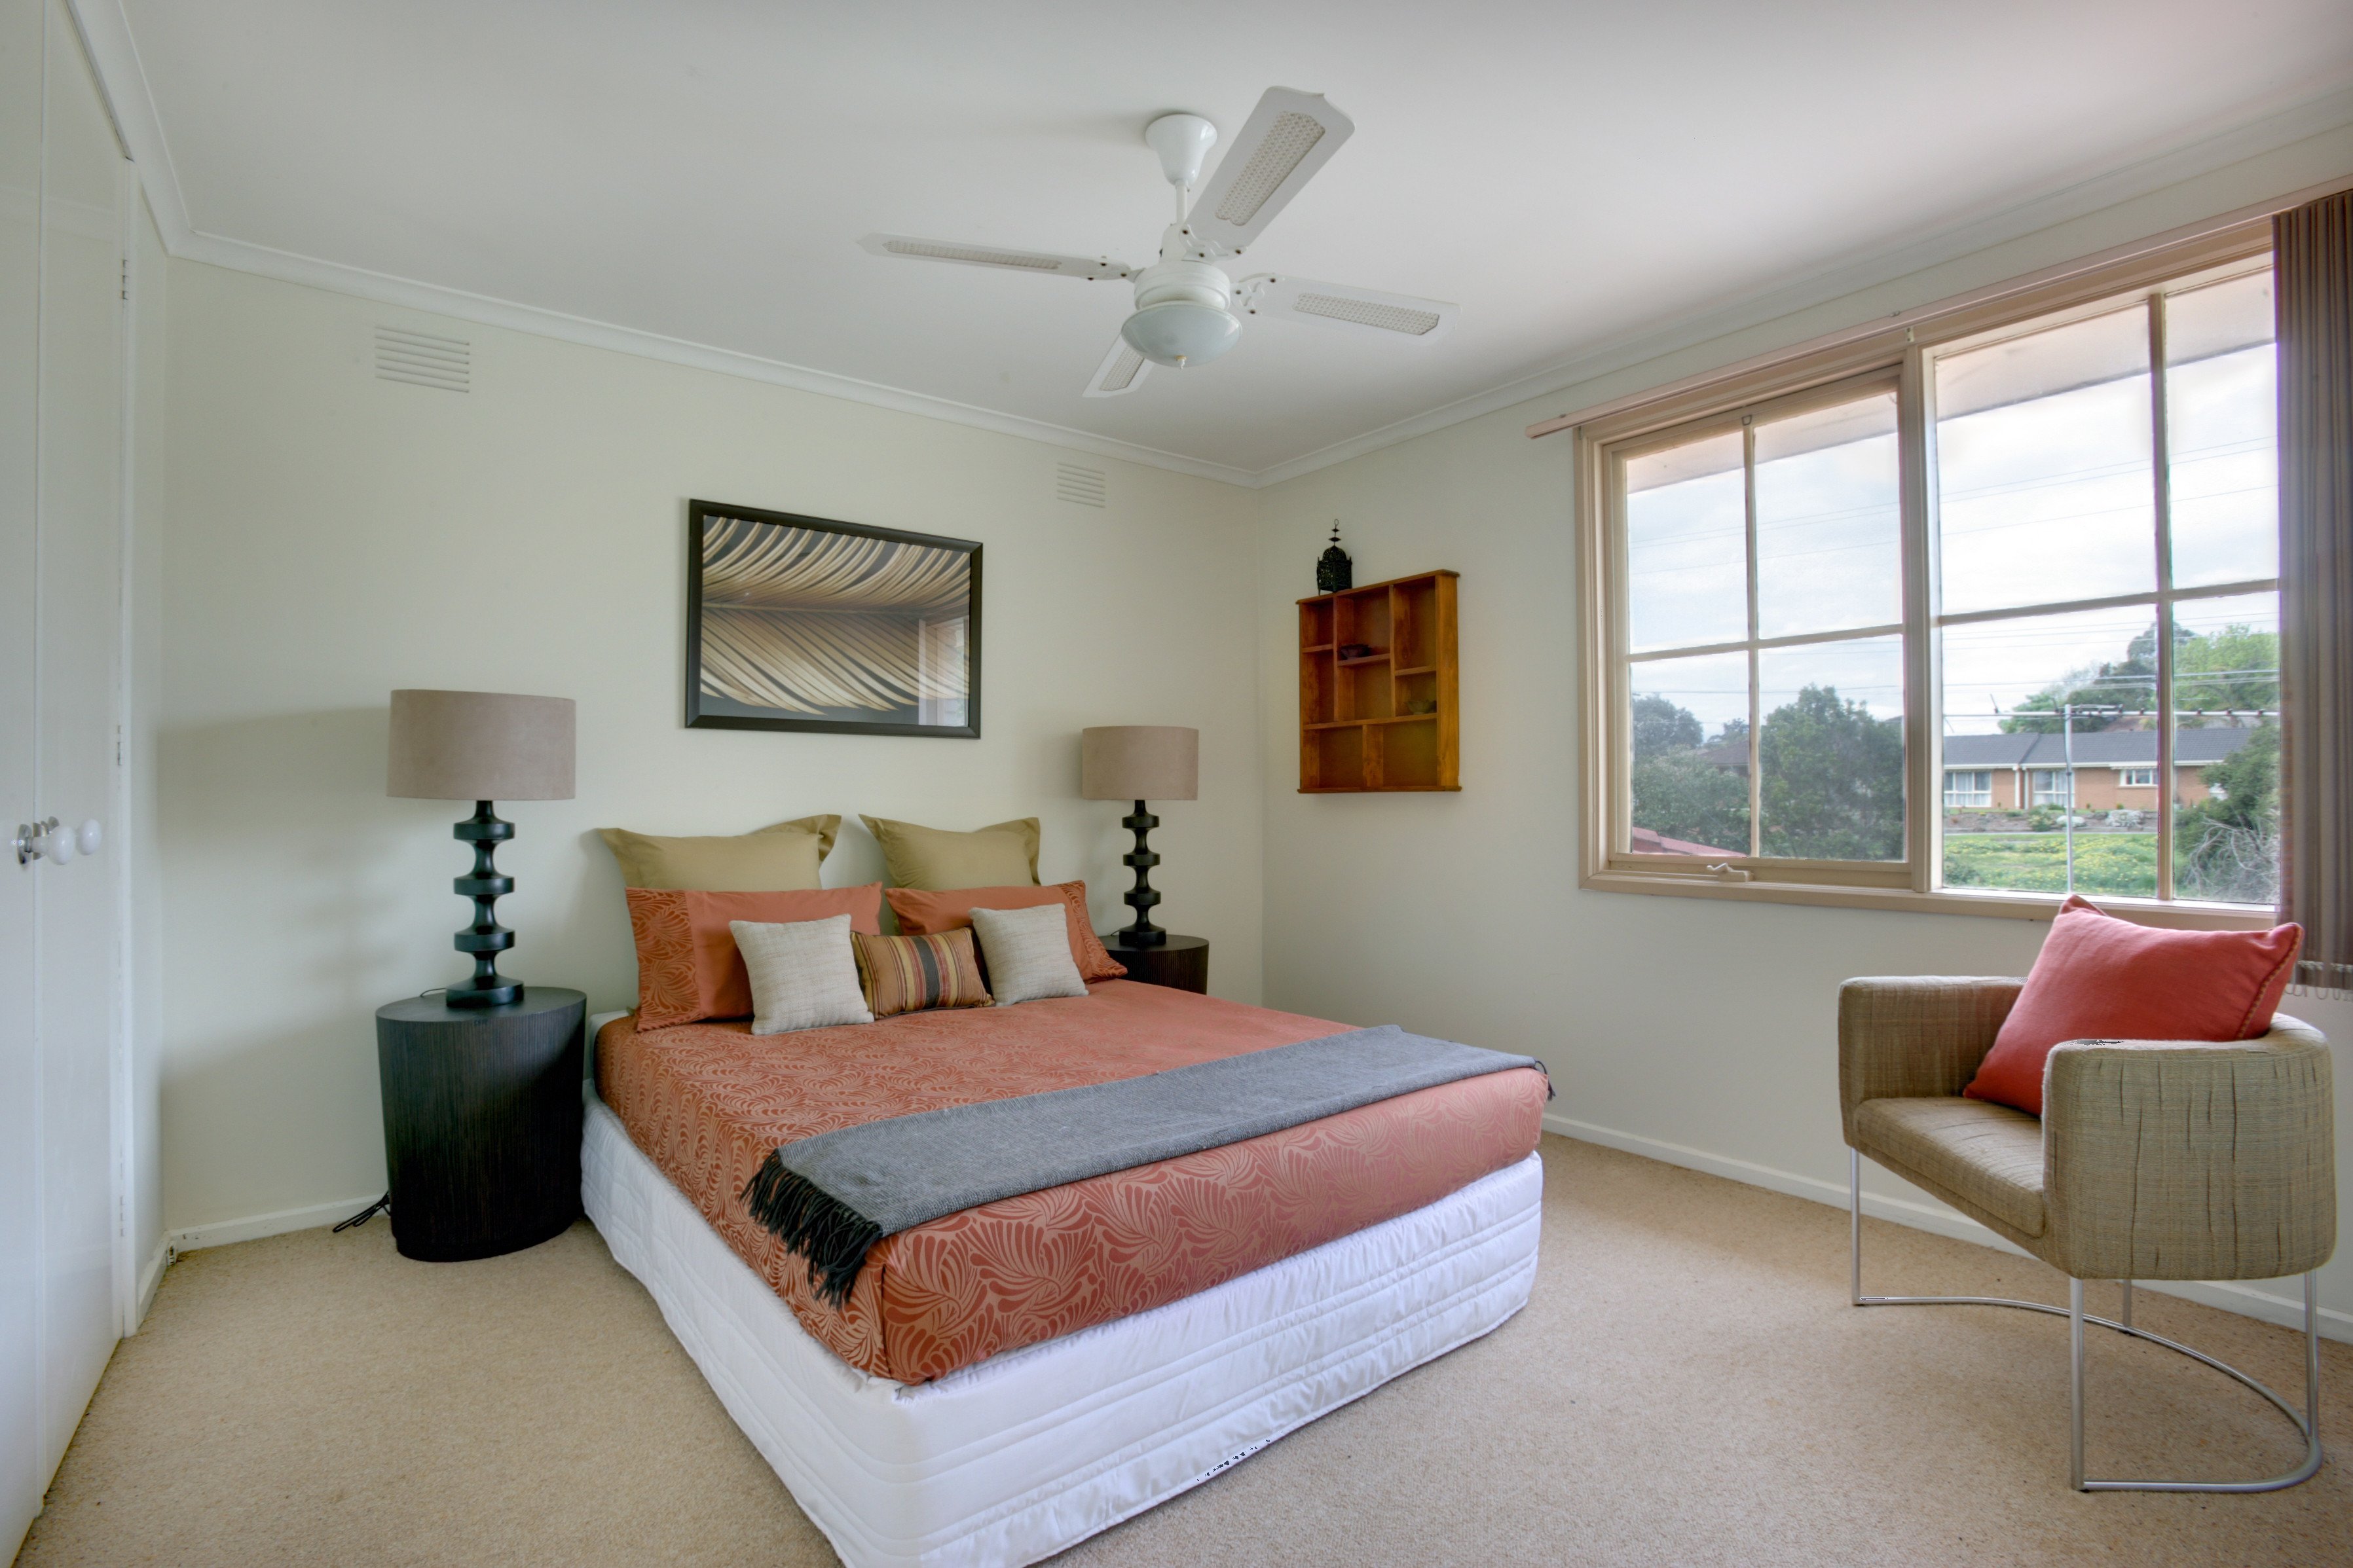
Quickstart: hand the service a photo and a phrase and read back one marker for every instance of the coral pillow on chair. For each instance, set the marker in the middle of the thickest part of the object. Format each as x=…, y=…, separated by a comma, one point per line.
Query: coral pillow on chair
x=2099, y=977
x=689, y=967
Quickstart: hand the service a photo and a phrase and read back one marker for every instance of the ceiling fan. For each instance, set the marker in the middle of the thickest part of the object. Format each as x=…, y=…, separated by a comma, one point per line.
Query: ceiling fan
x=1189, y=310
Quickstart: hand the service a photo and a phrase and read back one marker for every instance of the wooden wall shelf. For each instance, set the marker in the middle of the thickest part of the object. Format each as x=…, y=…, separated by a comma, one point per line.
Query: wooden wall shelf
x=1389, y=719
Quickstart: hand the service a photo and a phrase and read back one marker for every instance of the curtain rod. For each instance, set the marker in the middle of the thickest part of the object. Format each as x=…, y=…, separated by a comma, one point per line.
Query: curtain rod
x=1919, y=314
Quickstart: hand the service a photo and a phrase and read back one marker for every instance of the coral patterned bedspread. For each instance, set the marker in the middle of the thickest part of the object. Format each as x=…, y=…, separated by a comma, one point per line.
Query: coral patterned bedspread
x=706, y=1102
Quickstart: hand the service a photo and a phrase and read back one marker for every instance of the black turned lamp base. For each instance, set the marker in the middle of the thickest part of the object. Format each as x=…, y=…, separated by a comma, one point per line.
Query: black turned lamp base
x=1142, y=932
x=485, y=938
x=469, y=994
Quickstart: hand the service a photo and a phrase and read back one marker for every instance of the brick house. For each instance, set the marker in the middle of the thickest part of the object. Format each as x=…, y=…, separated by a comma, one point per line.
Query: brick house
x=2114, y=769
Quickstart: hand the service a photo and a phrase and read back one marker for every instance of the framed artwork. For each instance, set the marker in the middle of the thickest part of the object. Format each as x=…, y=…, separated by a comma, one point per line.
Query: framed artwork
x=799, y=623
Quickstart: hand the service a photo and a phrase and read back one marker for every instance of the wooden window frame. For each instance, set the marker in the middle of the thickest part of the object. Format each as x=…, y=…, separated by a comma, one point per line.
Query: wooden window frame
x=1905, y=354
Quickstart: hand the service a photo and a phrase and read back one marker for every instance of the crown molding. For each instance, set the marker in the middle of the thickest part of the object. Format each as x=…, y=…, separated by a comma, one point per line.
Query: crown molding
x=2311, y=117
x=338, y=278
x=122, y=79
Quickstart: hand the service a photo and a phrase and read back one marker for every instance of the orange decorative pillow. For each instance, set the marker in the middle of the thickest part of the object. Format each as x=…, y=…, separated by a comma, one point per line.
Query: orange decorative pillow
x=921, y=912
x=909, y=973
x=2099, y=977
x=688, y=965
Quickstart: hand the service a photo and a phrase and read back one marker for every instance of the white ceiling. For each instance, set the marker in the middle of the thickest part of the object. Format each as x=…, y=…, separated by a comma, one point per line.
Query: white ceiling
x=1569, y=172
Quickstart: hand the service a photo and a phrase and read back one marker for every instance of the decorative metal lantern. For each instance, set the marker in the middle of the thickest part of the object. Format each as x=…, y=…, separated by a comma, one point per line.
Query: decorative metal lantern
x=1335, y=573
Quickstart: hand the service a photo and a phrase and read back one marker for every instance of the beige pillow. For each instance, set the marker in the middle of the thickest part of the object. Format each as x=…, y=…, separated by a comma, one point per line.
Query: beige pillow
x=781, y=858
x=1002, y=856
x=803, y=974
x=1029, y=953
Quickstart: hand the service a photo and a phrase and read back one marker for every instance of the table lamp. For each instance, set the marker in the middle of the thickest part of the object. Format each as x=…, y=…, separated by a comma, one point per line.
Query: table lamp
x=482, y=746
x=1140, y=763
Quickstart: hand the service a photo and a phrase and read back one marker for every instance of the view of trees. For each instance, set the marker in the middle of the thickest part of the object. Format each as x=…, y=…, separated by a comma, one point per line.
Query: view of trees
x=2227, y=846
x=2235, y=669
x=1680, y=792
x=1833, y=778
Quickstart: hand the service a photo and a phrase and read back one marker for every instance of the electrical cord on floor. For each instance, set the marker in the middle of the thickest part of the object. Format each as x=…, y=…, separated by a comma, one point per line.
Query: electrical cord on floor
x=383, y=1204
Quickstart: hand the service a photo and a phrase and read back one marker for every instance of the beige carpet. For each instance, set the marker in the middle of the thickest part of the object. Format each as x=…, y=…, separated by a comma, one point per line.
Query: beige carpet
x=1688, y=1387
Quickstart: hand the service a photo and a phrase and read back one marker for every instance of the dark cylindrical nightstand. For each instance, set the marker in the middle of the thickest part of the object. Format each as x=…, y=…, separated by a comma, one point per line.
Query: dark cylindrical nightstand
x=482, y=1121
x=1181, y=962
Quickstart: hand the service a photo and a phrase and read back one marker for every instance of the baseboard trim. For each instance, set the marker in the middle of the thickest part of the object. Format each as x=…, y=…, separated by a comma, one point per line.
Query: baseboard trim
x=253, y=1228
x=2231, y=1296
x=151, y=1279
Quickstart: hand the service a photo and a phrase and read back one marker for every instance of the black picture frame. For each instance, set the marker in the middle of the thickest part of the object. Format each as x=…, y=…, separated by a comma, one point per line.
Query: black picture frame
x=717, y=710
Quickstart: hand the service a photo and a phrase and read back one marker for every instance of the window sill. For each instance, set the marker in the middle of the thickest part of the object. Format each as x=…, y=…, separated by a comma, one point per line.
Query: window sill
x=2180, y=915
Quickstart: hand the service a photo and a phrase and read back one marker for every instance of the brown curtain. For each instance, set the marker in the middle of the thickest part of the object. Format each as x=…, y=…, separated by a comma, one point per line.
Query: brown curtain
x=2313, y=255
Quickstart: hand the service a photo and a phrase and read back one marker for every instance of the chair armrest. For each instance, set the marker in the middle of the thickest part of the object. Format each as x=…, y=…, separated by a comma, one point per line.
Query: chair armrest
x=2174, y=1160
x=1915, y=1035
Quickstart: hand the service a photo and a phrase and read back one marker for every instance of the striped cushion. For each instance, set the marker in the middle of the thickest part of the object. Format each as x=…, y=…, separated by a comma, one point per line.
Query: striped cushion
x=909, y=973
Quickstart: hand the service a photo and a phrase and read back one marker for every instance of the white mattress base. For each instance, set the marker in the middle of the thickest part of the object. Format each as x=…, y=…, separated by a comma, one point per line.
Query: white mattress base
x=1025, y=1454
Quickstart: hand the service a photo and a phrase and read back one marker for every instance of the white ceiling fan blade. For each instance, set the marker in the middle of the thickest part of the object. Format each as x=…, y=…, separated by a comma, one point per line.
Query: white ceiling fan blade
x=1342, y=305
x=1122, y=370
x=913, y=249
x=1287, y=138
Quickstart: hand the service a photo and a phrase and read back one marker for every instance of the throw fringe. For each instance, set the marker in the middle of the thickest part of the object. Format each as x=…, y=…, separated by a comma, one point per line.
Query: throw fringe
x=833, y=1236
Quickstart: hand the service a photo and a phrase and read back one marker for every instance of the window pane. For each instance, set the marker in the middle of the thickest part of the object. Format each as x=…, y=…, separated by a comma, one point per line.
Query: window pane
x=2042, y=459
x=1687, y=545
x=1830, y=753
x=2020, y=695
x=1827, y=520
x=2221, y=433
x=2225, y=795
x=1689, y=770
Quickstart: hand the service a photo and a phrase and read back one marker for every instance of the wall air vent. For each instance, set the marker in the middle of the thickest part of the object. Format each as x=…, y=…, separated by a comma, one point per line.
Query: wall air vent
x=424, y=359
x=1080, y=487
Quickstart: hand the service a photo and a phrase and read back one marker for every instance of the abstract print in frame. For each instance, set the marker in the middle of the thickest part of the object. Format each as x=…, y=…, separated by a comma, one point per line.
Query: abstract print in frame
x=798, y=623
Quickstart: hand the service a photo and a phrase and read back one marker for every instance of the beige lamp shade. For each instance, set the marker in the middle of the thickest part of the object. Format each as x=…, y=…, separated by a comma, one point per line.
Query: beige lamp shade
x=480, y=745
x=1140, y=762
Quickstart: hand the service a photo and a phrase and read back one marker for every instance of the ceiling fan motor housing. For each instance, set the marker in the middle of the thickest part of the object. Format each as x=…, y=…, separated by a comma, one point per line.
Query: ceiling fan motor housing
x=1182, y=315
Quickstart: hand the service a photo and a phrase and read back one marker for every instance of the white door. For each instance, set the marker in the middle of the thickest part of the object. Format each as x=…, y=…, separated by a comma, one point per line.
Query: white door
x=61, y=422
x=20, y=285
x=75, y=913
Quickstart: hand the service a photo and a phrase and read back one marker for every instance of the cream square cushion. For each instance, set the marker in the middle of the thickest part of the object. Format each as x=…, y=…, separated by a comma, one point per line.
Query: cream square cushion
x=780, y=858
x=1029, y=953
x=803, y=974
x=1002, y=856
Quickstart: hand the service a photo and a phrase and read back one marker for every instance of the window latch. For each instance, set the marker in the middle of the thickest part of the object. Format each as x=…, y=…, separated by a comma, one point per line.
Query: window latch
x=1728, y=872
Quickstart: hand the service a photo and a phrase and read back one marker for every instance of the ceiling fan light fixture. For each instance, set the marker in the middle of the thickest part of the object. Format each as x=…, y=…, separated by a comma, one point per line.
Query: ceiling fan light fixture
x=1181, y=332
x=1181, y=316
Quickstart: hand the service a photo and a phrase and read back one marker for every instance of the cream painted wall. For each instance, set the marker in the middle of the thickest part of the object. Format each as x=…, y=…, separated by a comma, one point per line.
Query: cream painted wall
x=1688, y=1030
x=333, y=536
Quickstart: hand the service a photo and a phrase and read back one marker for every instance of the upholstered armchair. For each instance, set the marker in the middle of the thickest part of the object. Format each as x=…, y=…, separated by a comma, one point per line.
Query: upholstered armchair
x=2152, y=1160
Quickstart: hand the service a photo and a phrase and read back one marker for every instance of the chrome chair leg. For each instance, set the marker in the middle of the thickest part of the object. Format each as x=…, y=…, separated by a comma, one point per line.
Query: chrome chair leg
x=2075, y=1384
x=2307, y=1421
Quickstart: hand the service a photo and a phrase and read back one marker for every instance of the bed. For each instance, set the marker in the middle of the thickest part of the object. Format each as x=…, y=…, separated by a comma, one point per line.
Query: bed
x=1006, y=1380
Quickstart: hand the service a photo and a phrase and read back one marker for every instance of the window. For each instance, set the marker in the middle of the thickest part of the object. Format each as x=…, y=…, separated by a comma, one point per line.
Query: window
x=1766, y=659
x=2035, y=542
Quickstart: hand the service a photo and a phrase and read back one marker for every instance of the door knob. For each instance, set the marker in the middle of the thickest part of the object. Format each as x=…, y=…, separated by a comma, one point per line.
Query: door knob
x=52, y=838
x=32, y=840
